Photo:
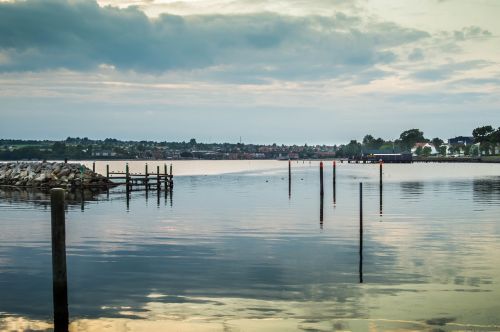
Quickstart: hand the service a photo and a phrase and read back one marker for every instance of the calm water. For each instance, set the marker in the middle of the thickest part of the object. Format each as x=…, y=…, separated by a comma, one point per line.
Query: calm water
x=231, y=249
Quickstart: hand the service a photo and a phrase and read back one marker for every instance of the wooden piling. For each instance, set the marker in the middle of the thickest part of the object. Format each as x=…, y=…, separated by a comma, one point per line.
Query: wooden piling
x=127, y=178
x=334, y=172
x=289, y=170
x=321, y=191
x=361, y=232
x=171, y=178
x=107, y=171
x=59, y=275
x=166, y=176
x=289, y=178
x=380, y=176
x=158, y=183
x=146, y=184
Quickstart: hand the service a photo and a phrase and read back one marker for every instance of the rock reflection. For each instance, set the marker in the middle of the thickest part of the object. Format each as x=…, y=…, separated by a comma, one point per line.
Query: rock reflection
x=40, y=197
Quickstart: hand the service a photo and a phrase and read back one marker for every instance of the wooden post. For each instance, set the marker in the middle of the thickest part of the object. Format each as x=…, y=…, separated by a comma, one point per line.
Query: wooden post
x=361, y=232
x=380, y=177
x=146, y=177
x=334, y=182
x=289, y=170
x=321, y=192
x=166, y=176
x=380, y=187
x=107, y=171
x=334, y=172
x=93, y=167
x=361, y=206
x=127, y=178
x=59, y=275
x=171, y=178
x=289, y=178
x=158, y=183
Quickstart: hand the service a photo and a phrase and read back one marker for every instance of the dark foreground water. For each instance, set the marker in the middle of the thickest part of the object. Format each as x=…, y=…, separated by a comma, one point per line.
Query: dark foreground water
x=239, y=252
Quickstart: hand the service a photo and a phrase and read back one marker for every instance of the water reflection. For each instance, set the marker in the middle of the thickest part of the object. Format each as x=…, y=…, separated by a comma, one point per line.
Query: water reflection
x=40, y=197
x=411, y=189
x=486, y=191
x=235, y=252
x=321, y=212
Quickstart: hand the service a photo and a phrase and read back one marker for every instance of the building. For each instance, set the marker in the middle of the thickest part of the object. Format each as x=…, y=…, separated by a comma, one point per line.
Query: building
x=423, y=146
x=461, y=140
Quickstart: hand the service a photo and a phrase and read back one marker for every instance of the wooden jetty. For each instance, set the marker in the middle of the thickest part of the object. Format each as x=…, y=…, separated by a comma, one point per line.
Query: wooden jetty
x=142, y=181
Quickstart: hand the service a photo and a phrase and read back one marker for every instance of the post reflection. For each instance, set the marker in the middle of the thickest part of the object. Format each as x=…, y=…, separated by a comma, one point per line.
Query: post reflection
x=321, y=205
x=381, y=207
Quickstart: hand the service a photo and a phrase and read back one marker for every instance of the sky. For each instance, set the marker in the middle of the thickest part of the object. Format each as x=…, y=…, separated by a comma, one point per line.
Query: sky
x=268, y=71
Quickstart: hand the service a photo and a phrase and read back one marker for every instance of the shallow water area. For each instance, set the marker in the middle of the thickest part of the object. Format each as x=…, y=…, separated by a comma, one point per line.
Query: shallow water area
x=234, y=248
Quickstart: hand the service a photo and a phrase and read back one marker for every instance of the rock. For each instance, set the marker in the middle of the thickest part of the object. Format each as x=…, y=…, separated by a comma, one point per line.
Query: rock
x=40, y=178
x=49, y=175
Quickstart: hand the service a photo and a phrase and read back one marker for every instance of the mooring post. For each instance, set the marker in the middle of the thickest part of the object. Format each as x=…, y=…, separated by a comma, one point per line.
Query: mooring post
x=59, y=275
x=166, y=176
x=321, y=178
x=146, y=176
x=361, y=232
x=158, y=183
x=334, y=182
x=380, y=177
x=171, y=178
x=93, y=167
x=289, y=170
x=380, y=187
x=107, y=171
x=127, y=178
x=289, y=178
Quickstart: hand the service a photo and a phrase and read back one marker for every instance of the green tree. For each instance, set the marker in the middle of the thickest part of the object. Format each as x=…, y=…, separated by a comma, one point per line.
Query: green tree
x=474, y=151
x=437, y=142
x=409, y=137
x=418, y=151
x=442, y=150
x=369, y=142
x=426, y=152
x=482, y=135
x=59, y=149
x=495, y=140
x=467, y=149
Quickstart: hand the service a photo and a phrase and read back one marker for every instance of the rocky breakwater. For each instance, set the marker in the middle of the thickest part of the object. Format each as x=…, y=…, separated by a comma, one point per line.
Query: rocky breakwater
x=50, y=175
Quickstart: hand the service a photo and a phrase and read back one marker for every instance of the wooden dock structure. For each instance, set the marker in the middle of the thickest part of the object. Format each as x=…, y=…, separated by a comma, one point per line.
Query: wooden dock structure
x=142, y=181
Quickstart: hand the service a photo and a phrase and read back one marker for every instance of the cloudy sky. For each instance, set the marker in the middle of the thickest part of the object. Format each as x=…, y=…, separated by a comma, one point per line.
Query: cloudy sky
x=290, y=71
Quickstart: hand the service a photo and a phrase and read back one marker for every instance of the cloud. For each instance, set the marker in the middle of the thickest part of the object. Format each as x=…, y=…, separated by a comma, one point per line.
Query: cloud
x=446, y=71
x=81, y=35
x=416, y=55
x=470, y=33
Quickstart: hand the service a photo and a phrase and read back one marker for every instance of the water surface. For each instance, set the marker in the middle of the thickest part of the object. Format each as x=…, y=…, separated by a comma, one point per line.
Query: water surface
x=233, y=249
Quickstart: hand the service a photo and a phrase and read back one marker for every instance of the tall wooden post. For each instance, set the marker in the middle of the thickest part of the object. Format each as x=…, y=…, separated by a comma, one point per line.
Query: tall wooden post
x=146, y=176
x=93, y=167
x=166, y=176
x=127, y=178
x=171, y=178
x=380, y=176
x=289, y=178
x=361, y=232
x=321, y=191
x=158, y=183
x=59, y=275
x=107, y=171
x=380, y=187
